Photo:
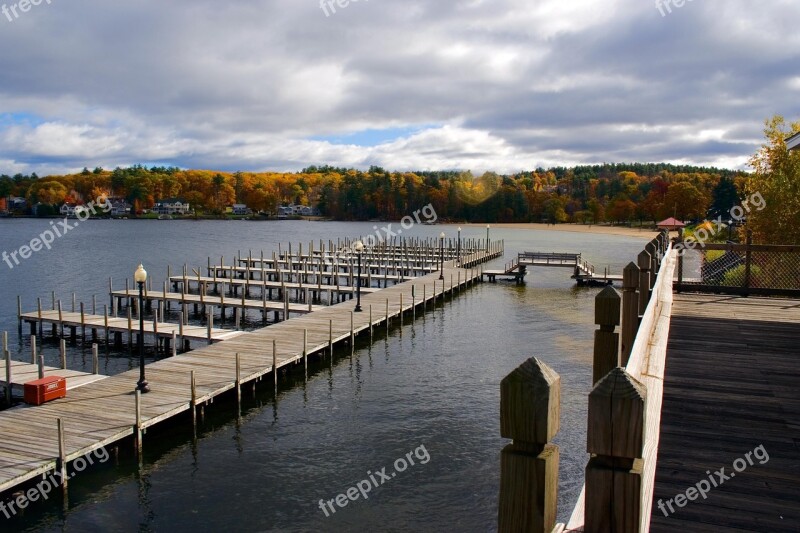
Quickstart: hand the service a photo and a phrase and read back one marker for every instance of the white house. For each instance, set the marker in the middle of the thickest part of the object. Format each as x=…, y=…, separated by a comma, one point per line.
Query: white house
x=120, y=208
x=241, y=210
x=793, y=142
x=171, y=206
x=68, y=210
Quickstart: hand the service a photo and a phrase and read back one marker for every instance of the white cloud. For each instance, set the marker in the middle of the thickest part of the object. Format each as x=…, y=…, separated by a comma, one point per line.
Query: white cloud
x=515, y=84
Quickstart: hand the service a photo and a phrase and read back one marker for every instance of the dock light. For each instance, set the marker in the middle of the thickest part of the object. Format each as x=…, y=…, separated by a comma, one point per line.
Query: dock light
x=359, y=248
x=441, y=254
x=140, y=277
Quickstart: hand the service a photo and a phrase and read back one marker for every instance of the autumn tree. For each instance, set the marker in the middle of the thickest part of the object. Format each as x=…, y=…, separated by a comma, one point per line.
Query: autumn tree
x=776, y=178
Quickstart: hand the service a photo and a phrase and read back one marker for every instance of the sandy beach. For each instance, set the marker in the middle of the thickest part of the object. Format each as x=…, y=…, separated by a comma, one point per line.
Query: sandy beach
x=576, y=228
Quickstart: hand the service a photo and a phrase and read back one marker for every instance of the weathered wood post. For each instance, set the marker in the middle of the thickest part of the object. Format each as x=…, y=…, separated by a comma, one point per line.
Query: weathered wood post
x=95, y=360
x=137, y=428
x=748, y=261
x=530, y=407
x=193, y=402
x=7, y=357
x=644, y=261
x=630, y=310
x=615, y=437
x=679, y=249
x=61, y=465
x=275, y=364
x=606, y=340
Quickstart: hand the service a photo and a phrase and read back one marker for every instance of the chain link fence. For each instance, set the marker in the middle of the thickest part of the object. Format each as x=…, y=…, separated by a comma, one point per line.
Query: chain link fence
x=741, y=268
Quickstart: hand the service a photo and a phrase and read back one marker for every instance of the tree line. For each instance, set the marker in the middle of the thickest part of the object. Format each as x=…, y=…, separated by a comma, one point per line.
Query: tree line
x=589, y=194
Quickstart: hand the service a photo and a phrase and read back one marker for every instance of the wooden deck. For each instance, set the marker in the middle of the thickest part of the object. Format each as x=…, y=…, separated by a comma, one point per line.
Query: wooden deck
x=732, y=383
x=104, y=412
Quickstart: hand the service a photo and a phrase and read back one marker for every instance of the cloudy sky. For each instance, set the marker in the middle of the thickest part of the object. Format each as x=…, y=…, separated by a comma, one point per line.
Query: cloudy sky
x=498, y=85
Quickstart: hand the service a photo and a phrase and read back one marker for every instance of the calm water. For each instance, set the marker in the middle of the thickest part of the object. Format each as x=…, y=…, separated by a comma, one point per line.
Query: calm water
x=435, y=383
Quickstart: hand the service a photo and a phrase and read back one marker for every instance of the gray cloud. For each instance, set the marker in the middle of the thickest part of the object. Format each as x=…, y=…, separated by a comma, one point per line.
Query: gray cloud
x=507, y=84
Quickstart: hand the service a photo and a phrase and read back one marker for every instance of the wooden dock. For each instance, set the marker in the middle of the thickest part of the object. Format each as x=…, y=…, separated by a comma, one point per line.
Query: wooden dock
x=129, y=325
x=731, y=385
x=107, y=411
x=22, y=373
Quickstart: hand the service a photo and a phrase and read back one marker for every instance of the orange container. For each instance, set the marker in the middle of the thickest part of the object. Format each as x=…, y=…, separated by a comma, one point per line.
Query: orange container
x=45, y=389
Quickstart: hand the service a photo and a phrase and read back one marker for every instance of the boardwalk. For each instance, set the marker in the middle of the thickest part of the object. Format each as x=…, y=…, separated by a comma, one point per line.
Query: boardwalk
x=104, y=412
x=731, y=385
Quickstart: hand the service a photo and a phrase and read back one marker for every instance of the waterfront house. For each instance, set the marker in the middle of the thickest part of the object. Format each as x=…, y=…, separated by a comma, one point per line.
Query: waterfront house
x=241, y=210
x=171, y=206
x=793, y=142
x=68, y=210
x=120, y=208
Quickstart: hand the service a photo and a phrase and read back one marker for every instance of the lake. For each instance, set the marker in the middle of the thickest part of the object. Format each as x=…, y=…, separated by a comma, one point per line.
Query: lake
x=430, y=388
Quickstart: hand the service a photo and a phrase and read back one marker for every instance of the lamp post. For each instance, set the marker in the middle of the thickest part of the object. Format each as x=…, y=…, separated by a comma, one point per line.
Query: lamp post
x=441, y=254
x=487, y=238
x=359, y=247
x=140, y=276
x=458, y=248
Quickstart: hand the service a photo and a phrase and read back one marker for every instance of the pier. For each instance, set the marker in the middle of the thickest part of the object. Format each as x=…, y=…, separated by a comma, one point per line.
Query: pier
x=584, y=273
x=685, y=386
x=37, y=440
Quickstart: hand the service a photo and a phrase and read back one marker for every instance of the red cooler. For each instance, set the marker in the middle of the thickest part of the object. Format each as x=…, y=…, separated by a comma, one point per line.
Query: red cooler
x=45, y=389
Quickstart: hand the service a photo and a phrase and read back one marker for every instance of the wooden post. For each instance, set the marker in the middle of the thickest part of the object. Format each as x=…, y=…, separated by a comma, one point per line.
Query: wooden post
x=193, y=403
x=239, y=384
x=40, y=363
x=645, y=262
x=680, y=251
x=275, y=363
x=95, y=360
x=174, y=343
x=615, y=436
x=62, y=348
x=330, y=338
x=7, y=357
x=352, y=331
x=209, y=322
x=62, y=453
x=33, y=349
x=748, y=262
x=606, y=340
x=305, y=351
x=630, y=310
x=530, y=407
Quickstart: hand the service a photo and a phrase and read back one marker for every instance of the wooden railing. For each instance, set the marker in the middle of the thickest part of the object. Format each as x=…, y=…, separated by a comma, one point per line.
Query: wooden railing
x=624, y=413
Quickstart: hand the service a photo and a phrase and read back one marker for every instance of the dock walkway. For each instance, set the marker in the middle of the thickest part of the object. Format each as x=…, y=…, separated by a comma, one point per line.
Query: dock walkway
x=105, y=412
x=731, y=385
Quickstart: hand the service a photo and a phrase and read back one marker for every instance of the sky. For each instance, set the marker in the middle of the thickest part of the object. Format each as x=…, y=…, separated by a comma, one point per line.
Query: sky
x=500, y=85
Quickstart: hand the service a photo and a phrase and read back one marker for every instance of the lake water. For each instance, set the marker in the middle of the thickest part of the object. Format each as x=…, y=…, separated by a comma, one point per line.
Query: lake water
x=432, y=386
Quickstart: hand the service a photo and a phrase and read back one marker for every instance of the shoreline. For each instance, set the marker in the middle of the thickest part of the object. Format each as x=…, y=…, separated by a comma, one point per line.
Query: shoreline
x=573, y=228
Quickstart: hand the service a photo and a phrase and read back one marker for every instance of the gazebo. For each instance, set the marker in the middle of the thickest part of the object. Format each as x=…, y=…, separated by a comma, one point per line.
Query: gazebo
x=671, y=224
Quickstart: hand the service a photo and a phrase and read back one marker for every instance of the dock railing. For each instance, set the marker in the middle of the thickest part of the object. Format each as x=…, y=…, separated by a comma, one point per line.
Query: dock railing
x=623, y=417
x=740, y=269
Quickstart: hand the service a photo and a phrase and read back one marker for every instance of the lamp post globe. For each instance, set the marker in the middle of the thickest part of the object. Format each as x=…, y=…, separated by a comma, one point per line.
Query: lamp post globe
x=359, y=248
x=140, y=277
